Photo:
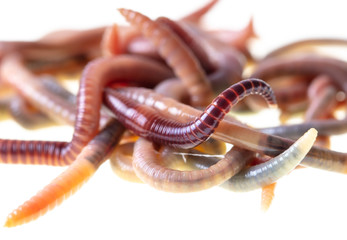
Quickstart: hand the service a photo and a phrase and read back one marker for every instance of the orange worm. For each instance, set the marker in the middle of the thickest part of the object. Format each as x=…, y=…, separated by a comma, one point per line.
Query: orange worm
x=68, y=182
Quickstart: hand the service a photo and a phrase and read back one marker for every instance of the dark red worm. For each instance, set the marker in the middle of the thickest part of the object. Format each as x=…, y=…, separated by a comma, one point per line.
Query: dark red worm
x=95, y=77
x=147, y=123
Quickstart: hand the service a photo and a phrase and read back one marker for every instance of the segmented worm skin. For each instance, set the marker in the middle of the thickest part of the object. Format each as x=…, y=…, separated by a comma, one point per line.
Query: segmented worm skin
x=56, y=45
x=232, y=131
x=146, y=123
x=191, y=41
x=121, y=162
x=266, y=173
x=177, y=55
x=267, y=196
x=322, y=96
x=148, y=168
x=305, y=64
x=29, y=117
x=86, y=163
x=228, y=62
x=122, y=157
x=106, y=70
x=237, y=39
x=26, y=115
x=291, y=47
x=195, y=16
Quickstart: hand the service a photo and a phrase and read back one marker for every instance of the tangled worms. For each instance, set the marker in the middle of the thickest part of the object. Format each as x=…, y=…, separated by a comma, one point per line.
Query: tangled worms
x=120, y=106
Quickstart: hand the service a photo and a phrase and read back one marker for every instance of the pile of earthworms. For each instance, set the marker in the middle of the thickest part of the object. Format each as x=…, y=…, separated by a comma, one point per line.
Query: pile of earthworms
x=154, y=98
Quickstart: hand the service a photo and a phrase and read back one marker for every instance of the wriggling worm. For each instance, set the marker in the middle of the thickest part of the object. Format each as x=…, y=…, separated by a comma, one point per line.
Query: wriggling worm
x=106, y=70
x=146, y=123
x=176, y=54
x=86, y=163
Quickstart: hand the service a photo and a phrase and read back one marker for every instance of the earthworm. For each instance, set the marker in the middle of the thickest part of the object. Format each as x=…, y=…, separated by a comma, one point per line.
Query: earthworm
x=304, y=65
x=232, y=131
x=266, y=173
x=87, y=119
x=278, y=52
x=68, y=182
x=145, y=122
x=195, y=16
x=267, y=196
x=149, y=169
x=56, y=45
x=322, y=95
x=177, y=55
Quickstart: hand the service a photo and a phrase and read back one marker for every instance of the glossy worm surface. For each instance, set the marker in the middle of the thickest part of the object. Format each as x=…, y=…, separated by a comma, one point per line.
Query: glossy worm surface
x=146, y=123
x=269, y=172
x=71, y=179
x=122, y=71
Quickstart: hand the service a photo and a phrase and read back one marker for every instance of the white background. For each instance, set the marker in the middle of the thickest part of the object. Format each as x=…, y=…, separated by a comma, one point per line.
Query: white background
x=309, y=203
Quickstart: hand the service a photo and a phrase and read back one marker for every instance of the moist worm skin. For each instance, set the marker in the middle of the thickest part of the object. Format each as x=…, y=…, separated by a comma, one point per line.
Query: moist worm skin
x=306, y=42
x=269, y=172
x=68, y=182
x=147, y=123
x=149, y=168
x=178, y=56
x=238, y=134
x=105, y=70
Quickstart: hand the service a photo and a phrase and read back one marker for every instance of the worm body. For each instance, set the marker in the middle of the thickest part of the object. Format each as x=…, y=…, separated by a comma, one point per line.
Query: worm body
x=146, y=123
x=270, y=171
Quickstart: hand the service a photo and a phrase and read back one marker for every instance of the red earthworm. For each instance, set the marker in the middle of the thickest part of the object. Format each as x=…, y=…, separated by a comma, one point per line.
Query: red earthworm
x=322, y=95
x=86, y=163
x=105, y=70
x=29, y=117
x=237, y=39
x=121, y=162
x=173, y=88
x=26, y=115
x=56, y=45
x=267, y=196
x=305, y=43
x=145, y=122
x=303, y=65
x=195, y=16
x=122, y=157
x=228, y=61
x=290, y=92
x=193, y=42
x=29, y=87
x=176, y=54
x=268, y=172
x=232, y=131
x=149, y=169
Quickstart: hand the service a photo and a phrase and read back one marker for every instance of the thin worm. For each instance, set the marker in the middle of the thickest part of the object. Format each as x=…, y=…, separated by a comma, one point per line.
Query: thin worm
x=122, y=157
x=56, y=45
x=192, y=41
x=195, y=16
x=267, y=196
x=303, y=65
x=227, y=62
x=106, y=70
x=27, y=116
x=148, y=168
x=306, y=42
x=238, y=134
x=269, y=172
x=146, y=122
x=176, y=54
x=121, y=162
x=322, y=95
x=68, y=182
